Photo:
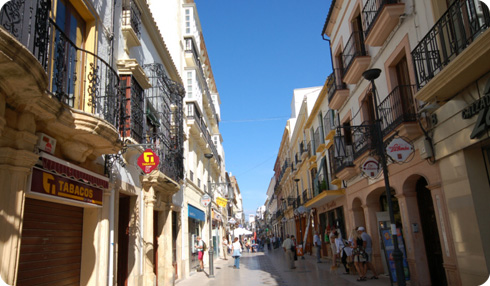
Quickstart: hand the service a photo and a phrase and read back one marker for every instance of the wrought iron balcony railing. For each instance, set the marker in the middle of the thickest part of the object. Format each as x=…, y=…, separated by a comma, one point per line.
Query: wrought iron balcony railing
x=353, y=48
x=319, y=137
x=372, y=10
x=132, y=16
x=193, y=113
x=397, y=107
x=343, y=154
x=74, y=73
x=165, y=111
x=335, y=83
x=460, y=25
x=329, y=121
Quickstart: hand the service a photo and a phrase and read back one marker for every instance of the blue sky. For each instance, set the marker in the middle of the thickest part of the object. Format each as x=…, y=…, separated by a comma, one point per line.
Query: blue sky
x=260, y=51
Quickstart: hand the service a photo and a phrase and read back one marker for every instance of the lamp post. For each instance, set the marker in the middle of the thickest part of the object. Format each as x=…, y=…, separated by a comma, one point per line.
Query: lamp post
x=211, y=248
x=371, y=75
x=299, y=216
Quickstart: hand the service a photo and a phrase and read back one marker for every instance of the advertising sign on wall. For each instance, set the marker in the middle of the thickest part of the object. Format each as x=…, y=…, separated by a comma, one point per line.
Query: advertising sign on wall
x=56, y=186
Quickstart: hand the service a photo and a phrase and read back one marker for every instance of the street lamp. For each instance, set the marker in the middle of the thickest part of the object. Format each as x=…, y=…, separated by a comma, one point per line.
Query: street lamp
x=371, y=75
x=211, y=248
x=299, y=216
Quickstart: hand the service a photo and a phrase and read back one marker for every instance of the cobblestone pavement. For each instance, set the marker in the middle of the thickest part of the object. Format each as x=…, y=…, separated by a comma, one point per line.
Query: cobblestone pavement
x=269, y=268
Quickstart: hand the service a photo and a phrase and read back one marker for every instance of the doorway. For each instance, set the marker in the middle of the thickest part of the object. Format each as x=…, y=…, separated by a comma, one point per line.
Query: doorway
x=432, y=242
x=123, y=241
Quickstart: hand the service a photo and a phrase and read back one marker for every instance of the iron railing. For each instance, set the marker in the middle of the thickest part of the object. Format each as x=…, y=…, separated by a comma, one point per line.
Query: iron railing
x=397, y=107
x=372, y=9
x=319, y=137
x=353, y=48
x=458, y=27
x=132, y=16
x=343, y=154
x=133, y=118
x=74, y=73
x=363, y=138
x=329, y=122
x=165, y=114
x=193, y=113
x=335, y=83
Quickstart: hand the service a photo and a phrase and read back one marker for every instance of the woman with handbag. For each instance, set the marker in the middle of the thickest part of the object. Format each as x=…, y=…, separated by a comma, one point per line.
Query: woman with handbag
x=236, y=250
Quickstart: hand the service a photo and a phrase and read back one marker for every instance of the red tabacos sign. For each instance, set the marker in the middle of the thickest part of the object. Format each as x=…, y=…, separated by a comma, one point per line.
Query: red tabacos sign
x=148, y=161
x=61, y=187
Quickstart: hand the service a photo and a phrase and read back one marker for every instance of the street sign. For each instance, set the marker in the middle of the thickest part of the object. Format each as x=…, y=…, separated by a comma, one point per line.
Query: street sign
x=371, y=167
x=205, y=200
x=399, y=150
x=148, y=161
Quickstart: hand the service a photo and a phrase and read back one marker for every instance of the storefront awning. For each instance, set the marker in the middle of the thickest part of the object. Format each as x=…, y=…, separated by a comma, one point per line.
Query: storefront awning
x=195, y=213
x=70, y=170
x=324, y=197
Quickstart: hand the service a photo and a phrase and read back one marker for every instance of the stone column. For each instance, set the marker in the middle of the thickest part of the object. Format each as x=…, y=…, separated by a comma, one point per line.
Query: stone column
x=16, y=161
x=148, y=243
x=445, y=235
x=414, y=242
x=165, y=266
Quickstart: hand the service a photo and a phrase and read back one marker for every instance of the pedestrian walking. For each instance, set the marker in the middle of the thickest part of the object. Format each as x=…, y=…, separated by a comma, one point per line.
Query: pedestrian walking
x=359, y=256
x=368, y=248
x=343, y=251
x=225, y=247
x=200, y=253
x=287, y=246
x=236, y=250
x=318, y=246
x=331, y=237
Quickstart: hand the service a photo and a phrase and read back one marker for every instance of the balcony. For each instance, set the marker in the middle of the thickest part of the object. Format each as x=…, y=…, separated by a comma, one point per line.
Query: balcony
x=364, y=139
x=311, y=152
x=355, y=58
x=337, y=90
x=329, y=124
x=191, y=53
x=454, y=52
x=380, y=18
x=81, y=98
x=131, y=24
x=343, y=161
x=165, y=120
x=398, y=112
x=319, y=139
x=200, y=129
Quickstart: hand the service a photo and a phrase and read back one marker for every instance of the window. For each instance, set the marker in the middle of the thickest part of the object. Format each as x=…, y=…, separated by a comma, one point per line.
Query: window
x=189, y=84
x=134, y=110
x=66, y=60
x=187, y=21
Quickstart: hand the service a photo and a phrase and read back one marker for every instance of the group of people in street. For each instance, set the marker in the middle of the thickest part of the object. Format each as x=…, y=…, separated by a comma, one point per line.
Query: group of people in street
x=355, y=253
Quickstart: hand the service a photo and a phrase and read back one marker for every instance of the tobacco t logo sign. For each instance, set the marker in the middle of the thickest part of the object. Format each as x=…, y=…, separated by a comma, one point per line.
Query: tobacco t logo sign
x=148, y=161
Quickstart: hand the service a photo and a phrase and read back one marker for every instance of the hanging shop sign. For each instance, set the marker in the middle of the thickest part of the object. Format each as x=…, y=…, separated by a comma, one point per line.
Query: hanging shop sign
x=148, y=161
x=221, y=202
x=52, y=185
x=399, y=149
x=46, y=143
x=205, y=200
x=371, y=167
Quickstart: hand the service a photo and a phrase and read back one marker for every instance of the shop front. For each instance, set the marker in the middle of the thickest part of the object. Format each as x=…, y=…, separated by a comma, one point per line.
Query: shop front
x=196, y=219
x=59, y=204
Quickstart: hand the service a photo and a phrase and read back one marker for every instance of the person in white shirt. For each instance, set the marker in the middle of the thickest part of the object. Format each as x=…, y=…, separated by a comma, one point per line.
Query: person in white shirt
x=344, y=251
x=236, y=250
x=287, y=245
x=318, y=245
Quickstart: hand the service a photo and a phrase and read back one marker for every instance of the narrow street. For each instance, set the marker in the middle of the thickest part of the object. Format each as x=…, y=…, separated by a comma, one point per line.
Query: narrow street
x=269, y=268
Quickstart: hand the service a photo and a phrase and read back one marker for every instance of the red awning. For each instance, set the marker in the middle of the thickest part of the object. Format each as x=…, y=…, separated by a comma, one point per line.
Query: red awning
x=65, y=168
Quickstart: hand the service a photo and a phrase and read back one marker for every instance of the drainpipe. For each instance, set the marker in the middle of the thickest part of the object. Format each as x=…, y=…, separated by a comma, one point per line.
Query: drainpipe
x=110, y=276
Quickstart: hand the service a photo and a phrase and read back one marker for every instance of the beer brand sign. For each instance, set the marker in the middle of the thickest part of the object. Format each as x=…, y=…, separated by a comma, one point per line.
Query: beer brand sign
x=56, y=186
x=371, y=167
x=399, y=150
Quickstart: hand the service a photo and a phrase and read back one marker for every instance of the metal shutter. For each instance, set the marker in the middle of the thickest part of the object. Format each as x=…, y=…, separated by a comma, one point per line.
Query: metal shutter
x=50, y=252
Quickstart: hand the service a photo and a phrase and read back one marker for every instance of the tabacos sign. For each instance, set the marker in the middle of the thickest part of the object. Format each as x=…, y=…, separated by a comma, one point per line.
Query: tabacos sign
x=148, y=161
x=49, y=184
